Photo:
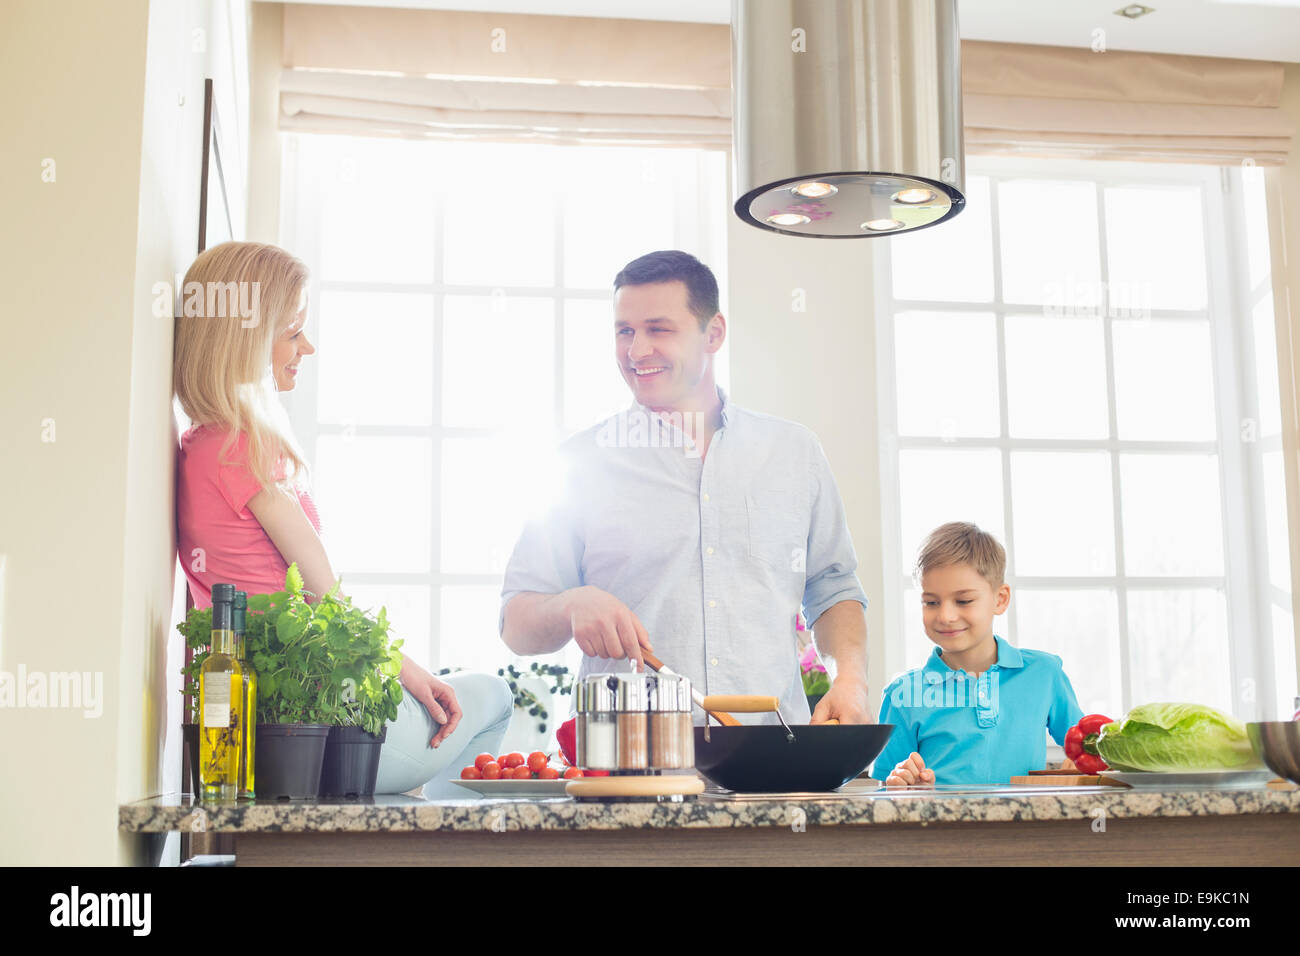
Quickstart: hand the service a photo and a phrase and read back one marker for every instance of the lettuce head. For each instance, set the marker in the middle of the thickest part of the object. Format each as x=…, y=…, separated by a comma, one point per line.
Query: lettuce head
x=1176, y=737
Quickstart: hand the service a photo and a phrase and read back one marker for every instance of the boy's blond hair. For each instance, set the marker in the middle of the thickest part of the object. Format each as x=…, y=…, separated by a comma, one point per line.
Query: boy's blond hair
x=960, y=542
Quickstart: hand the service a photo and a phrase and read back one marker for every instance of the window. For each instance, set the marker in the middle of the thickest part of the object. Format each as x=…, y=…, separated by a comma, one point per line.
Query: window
x=1083, y=364
x=462, y=309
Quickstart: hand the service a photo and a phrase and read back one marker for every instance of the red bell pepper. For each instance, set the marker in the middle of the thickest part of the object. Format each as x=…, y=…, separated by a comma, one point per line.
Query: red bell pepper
x=1090, y=763
x=566, y=735
x=1081, y=743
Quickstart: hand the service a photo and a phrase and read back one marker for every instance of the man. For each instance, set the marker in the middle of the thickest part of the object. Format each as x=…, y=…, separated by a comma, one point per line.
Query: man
x=689, y=526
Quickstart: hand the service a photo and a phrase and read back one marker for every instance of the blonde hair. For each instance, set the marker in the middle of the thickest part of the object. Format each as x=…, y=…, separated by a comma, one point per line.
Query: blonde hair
x=222, y=360
x=960, y=542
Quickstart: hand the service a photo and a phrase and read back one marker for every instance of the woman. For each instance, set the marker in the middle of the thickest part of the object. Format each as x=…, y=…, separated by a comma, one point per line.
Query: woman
x=243, y=511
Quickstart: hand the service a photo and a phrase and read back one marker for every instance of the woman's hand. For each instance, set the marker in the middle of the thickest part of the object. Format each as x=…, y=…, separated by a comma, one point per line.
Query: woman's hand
x=911, y=772
x=436, y=696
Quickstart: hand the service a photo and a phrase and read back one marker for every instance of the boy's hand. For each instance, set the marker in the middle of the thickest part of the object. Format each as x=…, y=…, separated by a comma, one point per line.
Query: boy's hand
x=911, y=772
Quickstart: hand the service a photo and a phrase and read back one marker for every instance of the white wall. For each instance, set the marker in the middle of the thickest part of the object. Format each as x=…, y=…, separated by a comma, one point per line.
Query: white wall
x=113, y=93
x=816, y=367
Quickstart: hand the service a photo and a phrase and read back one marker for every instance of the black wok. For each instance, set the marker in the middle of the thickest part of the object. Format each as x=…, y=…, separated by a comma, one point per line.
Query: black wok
x=765, y=758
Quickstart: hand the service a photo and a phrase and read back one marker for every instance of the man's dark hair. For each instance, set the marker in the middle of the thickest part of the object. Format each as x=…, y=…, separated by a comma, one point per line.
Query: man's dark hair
x=669, y=265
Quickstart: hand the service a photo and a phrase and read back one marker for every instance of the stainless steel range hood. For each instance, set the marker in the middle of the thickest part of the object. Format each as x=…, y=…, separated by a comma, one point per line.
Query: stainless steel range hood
x=847, y=115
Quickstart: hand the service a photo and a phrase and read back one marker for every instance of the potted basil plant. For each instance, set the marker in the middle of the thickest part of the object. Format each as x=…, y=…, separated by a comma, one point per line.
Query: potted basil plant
x=363, y=694
x=292, y=665
x=327, y=677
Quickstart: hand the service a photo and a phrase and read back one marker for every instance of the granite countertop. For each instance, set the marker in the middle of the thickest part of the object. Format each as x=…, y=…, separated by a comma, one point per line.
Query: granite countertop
x=859, y=803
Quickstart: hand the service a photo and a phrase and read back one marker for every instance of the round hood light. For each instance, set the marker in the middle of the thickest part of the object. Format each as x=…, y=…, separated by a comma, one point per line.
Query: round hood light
x=913, y=196
x=788, y=219
x=815, y=190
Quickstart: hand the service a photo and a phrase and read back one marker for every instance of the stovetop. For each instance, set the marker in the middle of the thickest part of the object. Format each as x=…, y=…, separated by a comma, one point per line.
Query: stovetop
x=854, y=788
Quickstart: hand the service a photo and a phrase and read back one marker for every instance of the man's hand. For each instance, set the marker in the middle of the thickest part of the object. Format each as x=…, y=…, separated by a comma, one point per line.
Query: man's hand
x=436, y=695
x=911, y=772
x=841, y=633
x=846, y=702
x=603, y=626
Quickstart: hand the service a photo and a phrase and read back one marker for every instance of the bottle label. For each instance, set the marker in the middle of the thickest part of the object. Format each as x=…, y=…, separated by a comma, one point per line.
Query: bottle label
x=216, y=699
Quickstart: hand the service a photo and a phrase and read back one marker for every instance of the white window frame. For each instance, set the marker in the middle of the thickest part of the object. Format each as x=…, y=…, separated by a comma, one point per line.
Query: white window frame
x=1245, y=579
x=300, y=234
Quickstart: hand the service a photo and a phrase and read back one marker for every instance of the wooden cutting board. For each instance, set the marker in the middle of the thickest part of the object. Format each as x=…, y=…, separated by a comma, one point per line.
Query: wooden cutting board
x=1062, y=778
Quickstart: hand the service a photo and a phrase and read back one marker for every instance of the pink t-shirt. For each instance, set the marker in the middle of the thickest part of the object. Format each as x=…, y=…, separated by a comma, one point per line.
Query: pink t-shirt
x=217, y=537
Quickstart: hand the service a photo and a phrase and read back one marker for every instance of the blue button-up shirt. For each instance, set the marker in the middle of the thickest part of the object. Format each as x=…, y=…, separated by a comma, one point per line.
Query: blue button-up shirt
x=714, y=556
x=984, y=730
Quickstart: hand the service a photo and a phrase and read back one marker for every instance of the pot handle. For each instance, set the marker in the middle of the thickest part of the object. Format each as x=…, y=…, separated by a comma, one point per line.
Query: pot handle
x=741, y=703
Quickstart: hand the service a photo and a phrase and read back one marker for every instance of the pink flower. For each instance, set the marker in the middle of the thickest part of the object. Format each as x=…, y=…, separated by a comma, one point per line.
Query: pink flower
x=809, y=661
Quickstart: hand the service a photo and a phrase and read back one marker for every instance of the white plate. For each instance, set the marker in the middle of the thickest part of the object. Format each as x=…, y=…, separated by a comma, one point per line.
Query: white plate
x=515, y=788
x=1194, y=780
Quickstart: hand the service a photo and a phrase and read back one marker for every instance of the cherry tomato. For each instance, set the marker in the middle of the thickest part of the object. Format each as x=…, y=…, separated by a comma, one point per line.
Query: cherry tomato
x=572, y=773
x=512, y=760
x=491, y=770
x=521, y=773
x=537, y=761
x=483, y=759
x=548, y=773
x=471, y=773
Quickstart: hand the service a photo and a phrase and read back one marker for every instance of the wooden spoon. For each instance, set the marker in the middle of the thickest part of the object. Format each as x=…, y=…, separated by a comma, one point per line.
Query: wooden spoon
x=718, y=715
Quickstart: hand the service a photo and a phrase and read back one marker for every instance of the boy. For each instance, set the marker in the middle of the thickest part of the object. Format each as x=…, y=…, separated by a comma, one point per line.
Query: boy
x=975, y=712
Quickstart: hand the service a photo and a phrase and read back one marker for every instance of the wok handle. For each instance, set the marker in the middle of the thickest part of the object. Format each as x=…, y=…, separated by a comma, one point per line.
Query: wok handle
x=741, y=703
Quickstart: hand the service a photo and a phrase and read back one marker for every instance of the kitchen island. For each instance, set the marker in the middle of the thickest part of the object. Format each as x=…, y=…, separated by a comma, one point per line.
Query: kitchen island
x=862, y=824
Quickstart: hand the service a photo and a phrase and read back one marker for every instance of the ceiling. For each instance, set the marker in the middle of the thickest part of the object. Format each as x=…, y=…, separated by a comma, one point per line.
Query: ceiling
x=1249, y=29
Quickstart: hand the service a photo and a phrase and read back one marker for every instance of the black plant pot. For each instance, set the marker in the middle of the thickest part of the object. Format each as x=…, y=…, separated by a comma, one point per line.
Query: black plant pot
x=190, y=759
x=351, y=764
x=288, y=761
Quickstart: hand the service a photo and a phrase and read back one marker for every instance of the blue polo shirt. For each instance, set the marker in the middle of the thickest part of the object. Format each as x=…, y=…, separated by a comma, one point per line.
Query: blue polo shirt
x=984, y=730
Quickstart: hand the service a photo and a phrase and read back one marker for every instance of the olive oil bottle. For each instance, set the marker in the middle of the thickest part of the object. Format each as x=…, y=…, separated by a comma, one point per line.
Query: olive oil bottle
x=238, y=616
x=221, y=704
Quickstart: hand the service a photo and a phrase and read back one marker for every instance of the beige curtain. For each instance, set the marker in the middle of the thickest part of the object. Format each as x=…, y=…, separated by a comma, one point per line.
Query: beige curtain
x=508, y=77
x=1060, y=101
